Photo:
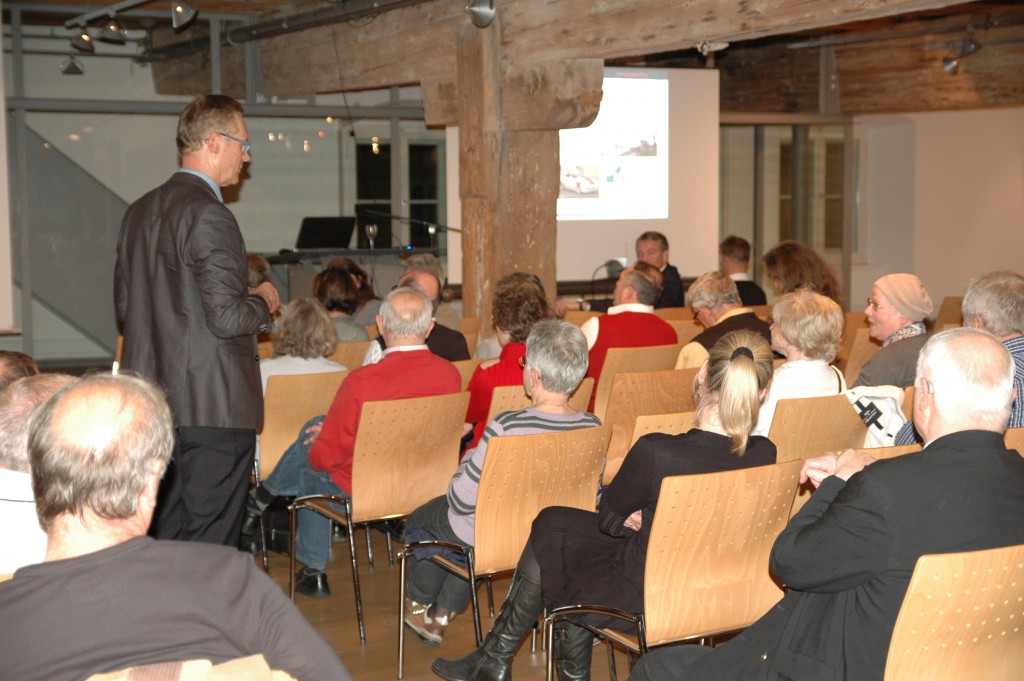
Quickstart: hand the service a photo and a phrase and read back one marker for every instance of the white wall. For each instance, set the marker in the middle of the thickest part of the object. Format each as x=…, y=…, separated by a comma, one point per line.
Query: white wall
x=942, y=196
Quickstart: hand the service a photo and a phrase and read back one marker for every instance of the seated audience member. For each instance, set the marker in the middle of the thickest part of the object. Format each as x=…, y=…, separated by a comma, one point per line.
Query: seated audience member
x=993, y=302
x=895, y=313
x=556, y=362
x=367, y=302
x=443, y=342
x=444, y=314
x=575, y=556
x=489, y=347
x=303, y=337
x=107, y=596
x=794, y=264
x=848, y=554
x=15, y=365
x=338, y=294
x=25, y=541
x=806, y=330
x=516, y=310
x=735, y=257
x=259, y=269
x=716, y=305
x=324, y=465
x=651, y=248
x=630, y=322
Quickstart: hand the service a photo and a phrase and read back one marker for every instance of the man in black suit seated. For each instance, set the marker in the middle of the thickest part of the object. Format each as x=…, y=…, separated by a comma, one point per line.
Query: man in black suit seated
x=651, y=248
x=735, y=254
x=848, y=555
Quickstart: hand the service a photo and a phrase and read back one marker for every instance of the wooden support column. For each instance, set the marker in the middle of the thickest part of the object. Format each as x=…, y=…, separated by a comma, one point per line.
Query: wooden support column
x=509, y=117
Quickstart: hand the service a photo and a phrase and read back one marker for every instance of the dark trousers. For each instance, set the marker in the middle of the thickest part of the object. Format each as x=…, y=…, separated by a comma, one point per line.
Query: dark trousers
x=202, y=496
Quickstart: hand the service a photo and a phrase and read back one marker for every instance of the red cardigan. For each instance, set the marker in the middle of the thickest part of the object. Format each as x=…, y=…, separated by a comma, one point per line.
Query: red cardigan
x=481, y=386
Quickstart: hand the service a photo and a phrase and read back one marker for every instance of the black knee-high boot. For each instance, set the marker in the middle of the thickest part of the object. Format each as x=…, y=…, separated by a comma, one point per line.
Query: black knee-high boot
x=492, y=661
x=572, y=648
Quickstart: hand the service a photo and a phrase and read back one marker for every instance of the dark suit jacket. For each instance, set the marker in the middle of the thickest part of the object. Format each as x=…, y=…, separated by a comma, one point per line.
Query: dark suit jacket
x=848, y=555
x=671, y=292
x=182, y=294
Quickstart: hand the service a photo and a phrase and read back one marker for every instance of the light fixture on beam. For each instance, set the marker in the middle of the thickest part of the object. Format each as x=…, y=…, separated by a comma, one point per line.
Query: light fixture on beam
x=112, y=32
x=182, y=13
x=952, y=63
x=481, y=12
x=71, y=67
x=82, y=41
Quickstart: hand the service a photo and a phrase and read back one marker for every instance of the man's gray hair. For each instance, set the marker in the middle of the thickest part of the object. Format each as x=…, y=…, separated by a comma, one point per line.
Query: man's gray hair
x=998, y=299
x=94, y=444
x=406, y=313
x=17, y=402
x=713, y=290
x=971, y=374
x=558, y=351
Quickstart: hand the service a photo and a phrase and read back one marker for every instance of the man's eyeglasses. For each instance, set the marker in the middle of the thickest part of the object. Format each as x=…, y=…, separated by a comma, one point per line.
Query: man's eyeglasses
x=246, y=144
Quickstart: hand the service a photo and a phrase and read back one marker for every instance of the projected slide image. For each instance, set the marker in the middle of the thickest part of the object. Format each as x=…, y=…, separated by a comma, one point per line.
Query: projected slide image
x=617, y=168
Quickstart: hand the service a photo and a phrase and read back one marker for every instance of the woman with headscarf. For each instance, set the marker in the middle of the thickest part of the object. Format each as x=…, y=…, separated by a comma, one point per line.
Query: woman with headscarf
x=895, y=312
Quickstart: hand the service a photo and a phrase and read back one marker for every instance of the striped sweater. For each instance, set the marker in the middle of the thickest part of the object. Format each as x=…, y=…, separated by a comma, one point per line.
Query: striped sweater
x=462, y=490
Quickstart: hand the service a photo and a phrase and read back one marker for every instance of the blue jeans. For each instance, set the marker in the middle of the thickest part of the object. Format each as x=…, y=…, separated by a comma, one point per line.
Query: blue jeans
x=293, y=476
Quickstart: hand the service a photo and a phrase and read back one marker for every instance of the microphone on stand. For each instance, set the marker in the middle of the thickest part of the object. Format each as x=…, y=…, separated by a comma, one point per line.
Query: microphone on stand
x=370, y=228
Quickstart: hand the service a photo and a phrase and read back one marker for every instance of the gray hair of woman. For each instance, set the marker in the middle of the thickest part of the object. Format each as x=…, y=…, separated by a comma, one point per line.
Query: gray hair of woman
x=811, y=322
x=304, y=330
x=557, y=350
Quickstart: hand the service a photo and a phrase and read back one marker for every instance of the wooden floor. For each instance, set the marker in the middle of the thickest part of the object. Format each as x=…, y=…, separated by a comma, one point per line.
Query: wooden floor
x=335, y=619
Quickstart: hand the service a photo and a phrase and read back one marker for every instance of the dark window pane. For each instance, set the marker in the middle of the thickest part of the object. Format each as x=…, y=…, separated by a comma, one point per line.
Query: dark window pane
x=373, y=173
x=786, y=169
x=423, y=171
x=419, y=234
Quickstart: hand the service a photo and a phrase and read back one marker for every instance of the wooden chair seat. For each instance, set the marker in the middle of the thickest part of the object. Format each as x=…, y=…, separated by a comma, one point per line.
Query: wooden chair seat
x=961, y=618
x=732, y=520
x=522, y=474
x=406, y=452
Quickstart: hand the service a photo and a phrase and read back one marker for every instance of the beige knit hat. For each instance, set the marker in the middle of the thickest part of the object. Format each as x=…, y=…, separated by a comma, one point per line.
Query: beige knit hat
x=907, y=294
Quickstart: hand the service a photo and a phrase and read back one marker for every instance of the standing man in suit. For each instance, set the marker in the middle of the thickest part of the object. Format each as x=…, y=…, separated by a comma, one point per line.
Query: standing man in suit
x=848, y=555
x=734, y=252
x=651, y=248
x=190, y=319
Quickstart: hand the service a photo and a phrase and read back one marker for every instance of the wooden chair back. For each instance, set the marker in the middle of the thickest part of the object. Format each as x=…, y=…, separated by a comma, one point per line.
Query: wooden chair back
x=908, y=402
x=470, y=328
x=763, y=312
x=372, y=331
x=405, y=454
x=672, y=314
x=514, y=398
x=120, y=348
x=670, y=424
x=350, y=354
x=854, y=321
x=803, y=495
x=466, y=368
x=810, y=426
x=862, y=349
x=525, y=473
x=641, y=394
x=950, y=313
x=713, y=576
x=623, y=360
x=961, y=618
x=577, y=317
x=686, y=329
x=290, y=402
x=265, y=349
x=1014, y=439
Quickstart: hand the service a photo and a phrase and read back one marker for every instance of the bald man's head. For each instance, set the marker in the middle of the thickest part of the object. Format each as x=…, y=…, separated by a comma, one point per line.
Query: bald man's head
x=406, y=317
x=96, y=444
x=424, y=282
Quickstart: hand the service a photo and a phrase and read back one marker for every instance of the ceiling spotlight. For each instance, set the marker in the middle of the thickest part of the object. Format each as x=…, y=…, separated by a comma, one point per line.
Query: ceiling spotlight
x=71, y=67
x=952, y=63
x=481, y=12
x=112, y=32
x=968, y=47
x=82, y=41
x=182, y=13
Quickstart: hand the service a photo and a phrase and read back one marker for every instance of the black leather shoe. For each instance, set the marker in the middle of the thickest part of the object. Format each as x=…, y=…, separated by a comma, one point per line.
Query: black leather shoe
x=312, y=583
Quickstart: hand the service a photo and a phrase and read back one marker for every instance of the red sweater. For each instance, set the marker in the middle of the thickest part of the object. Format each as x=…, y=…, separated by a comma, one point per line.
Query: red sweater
x=401, y=374
x=626, y=330
x=481, y=386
